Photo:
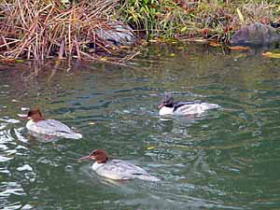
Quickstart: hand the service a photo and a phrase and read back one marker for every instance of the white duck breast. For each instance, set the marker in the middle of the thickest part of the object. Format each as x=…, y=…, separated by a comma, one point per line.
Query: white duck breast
x=53, y=128
x=122, y=170
x=166, y=110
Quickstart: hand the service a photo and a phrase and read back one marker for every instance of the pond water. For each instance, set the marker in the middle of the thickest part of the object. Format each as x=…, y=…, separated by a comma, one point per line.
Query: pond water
x=224, y=159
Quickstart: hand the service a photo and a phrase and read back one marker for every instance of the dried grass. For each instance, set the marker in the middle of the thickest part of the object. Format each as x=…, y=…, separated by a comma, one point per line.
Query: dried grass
x=39, y=29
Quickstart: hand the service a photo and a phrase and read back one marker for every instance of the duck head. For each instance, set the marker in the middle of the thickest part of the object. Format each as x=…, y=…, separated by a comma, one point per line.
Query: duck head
x=99, y=155
x=167, y=101
x=35, y=115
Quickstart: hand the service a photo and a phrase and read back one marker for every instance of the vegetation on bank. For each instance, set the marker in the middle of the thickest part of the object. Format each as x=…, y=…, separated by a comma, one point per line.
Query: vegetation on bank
x=181, y=19
x=39, y=29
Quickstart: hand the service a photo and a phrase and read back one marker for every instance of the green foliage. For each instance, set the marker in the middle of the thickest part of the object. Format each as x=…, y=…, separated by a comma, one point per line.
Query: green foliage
x=142, y=14
x=173, y=18
x=156, y=17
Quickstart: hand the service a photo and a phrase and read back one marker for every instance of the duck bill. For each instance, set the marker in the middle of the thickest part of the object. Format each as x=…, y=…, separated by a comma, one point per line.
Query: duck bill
x=85, y=157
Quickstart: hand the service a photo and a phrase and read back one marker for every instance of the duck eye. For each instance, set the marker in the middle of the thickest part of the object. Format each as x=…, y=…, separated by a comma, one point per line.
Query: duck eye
x=94, y=153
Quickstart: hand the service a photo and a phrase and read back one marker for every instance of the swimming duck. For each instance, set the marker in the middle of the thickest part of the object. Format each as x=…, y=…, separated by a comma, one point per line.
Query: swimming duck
x=116, y=169
x=170, y=107
x=39, y=125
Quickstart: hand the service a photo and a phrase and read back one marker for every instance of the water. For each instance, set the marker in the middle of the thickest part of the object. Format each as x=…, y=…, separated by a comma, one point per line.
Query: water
x=225, y=159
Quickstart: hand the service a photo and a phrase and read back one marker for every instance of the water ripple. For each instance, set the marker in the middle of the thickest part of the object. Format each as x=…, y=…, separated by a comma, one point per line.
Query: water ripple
x=223, y=159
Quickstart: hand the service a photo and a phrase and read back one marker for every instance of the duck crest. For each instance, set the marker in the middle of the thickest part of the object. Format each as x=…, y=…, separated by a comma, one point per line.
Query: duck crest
x=100, y=156
x=35, y=115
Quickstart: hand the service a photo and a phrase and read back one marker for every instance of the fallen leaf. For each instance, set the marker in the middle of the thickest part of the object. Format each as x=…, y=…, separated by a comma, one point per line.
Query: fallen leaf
x=239, y=48
x=271, y=55
x=215, y=44
x=197, y=40
x=20, y=61
x=144, y=42
x=151, y=147
x=184, y=29
x=205, y=31
x=124, y=47
x=8, y=60
x=154, y=40
x=104, y=59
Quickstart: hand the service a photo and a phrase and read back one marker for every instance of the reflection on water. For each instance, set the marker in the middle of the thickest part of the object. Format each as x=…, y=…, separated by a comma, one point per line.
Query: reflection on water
x=223, y=159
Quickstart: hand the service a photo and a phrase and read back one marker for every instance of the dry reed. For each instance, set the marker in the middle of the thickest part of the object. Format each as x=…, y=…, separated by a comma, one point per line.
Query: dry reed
x=39, y=29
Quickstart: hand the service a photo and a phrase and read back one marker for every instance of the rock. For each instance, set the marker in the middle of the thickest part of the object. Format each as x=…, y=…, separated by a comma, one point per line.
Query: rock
x=255, y=34
x=117, y=33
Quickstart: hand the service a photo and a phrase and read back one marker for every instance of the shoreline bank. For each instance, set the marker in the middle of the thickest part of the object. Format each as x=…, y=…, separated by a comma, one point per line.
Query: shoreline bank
x=110, y=31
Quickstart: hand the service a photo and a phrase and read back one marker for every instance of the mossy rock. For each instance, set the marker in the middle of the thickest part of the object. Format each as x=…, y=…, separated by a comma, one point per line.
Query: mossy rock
x=255, y=34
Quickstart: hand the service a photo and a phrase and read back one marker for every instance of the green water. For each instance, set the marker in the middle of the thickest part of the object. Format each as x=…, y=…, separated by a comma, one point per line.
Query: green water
x=225, y=159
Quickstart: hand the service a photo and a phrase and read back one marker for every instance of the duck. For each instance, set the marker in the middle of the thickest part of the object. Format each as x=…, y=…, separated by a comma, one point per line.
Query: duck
x=169, y=106
x=115, y=169
x=37, y=124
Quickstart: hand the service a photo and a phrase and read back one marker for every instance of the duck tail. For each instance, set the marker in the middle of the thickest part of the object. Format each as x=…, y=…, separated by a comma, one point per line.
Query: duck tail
x=210, y=106
x=148, y=178
x=73, y=135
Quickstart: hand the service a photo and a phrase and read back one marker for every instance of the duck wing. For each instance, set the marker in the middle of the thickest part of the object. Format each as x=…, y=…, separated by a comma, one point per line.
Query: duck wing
x=119, y=169
x=195, y=107
x=52, y=126
x=181, y=103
